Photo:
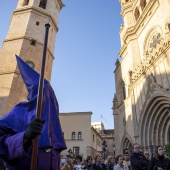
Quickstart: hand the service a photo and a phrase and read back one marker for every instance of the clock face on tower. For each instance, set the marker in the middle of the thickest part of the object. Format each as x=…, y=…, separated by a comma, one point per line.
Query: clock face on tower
x=31, y=64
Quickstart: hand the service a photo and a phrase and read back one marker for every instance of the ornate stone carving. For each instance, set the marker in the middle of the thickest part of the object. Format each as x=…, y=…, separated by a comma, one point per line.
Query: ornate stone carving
x=150, y=57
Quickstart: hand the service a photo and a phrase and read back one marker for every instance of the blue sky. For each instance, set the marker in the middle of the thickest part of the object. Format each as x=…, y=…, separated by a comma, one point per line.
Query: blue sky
x=86, y=49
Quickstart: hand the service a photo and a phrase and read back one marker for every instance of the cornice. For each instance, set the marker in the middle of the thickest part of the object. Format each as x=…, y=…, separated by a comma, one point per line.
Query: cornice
x=150, y=60
x=126, y=6
x=31, y=8
x=132, y=31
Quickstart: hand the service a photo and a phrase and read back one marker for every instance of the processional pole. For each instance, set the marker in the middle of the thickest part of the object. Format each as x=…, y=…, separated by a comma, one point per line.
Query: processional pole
x=40, y=97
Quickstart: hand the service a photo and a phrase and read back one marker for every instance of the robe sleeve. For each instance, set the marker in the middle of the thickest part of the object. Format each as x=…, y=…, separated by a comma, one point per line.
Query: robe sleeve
x=11, y=145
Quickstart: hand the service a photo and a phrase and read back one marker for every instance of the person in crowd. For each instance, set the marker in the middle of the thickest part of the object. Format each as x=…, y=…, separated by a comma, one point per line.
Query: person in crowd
x=159, y=161
x=111, y=163
x=19, y=127
x=126, y=161
x=147, y=155
x=98, y=165
x=66, y=163
x=138, y=161
x=119, y=161
x=89, y=161
x=79, y=165
x=126, y=150
x=102, y=160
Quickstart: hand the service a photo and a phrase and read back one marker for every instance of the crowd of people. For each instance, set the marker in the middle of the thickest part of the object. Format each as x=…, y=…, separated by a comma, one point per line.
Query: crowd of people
x=137, y=160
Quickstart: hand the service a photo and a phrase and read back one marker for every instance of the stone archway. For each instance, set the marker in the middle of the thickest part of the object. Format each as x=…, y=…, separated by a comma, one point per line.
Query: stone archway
x=155, y=121
x=126, y=143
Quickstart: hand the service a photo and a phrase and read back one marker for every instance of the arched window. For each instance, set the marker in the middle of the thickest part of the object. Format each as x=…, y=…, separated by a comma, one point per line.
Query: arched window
x=79, y=135
x=137, y=14
x=123, y=91
x=26, y=2
x=142, y=4
x=73, y=135
x=43, y=4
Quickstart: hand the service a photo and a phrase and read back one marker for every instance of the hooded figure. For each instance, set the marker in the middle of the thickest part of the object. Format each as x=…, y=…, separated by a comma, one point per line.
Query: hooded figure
x=19, y=127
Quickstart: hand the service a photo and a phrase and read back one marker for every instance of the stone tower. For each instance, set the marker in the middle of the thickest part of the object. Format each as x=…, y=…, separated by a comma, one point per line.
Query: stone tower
x=25, y=38
x=142, y=76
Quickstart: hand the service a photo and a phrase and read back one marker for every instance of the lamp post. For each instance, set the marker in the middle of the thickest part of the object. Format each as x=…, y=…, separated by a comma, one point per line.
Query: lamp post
x=104, y=147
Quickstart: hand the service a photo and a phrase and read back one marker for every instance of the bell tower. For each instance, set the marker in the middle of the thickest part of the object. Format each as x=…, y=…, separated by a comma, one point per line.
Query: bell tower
x=25, y=38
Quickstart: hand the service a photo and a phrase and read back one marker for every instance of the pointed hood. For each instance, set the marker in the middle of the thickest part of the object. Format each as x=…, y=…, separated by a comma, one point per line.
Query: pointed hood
x=30, y=78
x=20, y=116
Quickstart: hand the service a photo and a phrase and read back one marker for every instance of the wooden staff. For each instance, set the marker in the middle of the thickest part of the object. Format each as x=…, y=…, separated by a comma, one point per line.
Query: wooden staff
x=40, y=97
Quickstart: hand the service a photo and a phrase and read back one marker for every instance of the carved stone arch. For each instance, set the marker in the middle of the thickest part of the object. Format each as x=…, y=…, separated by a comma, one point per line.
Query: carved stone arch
x=151, y=36
x=126, y=142
x=154, y=122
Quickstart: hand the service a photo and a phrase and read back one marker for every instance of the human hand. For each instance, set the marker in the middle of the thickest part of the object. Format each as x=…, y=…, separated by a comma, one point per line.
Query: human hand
x=34, y=128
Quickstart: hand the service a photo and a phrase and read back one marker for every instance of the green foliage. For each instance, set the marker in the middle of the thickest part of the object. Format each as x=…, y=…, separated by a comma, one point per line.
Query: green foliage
x=167, y=150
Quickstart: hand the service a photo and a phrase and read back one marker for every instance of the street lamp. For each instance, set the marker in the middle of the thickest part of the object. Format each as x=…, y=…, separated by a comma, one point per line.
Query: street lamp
x=104, y=148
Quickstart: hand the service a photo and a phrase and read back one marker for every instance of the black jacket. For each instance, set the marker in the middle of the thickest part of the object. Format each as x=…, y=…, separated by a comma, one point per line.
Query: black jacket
x=162, y=162
x=97, y=167
x=138, y=162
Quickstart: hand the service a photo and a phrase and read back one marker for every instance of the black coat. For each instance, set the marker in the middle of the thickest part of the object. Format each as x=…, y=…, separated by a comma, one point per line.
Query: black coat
x=138, y=162
x=97, y=167
x=162, y=162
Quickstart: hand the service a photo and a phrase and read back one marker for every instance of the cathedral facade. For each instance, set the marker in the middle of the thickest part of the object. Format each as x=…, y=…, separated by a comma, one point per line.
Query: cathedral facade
x=25, y=38
x=142, y=77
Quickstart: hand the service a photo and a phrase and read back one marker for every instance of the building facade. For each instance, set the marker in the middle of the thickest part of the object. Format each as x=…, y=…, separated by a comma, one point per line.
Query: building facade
x=143, y=75
x=81, y=138
x=25, y=38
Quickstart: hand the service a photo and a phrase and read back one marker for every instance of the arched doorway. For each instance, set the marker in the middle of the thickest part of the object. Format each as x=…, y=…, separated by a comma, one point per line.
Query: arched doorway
x=127, y=144
x=155, y=121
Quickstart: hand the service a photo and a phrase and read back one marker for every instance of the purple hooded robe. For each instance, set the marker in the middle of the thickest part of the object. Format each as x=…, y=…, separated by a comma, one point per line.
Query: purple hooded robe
x=14, y=124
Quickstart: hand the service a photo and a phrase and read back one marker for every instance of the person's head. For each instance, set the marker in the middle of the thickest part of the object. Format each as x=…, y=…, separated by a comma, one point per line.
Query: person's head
x=159, y=151
x=136, y=148
x=126, y=150
x=102, y=160
x=62, y=160
x=126, y=156
x=119, y=159
x=146, y=154
x=78, y=159
x=98, y=158
x=112, y=159
x=89, y=160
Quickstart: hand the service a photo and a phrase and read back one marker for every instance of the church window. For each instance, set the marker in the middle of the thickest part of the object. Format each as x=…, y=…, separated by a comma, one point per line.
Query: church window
x=73, y=135
x=33, y=42
x=80, y=136
x=155, y=40
x=37, y=23
x=26, y=2
x=31, y=64
x=123, y=92
x=43, y=4
x=137, y=14
x=142, y=4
